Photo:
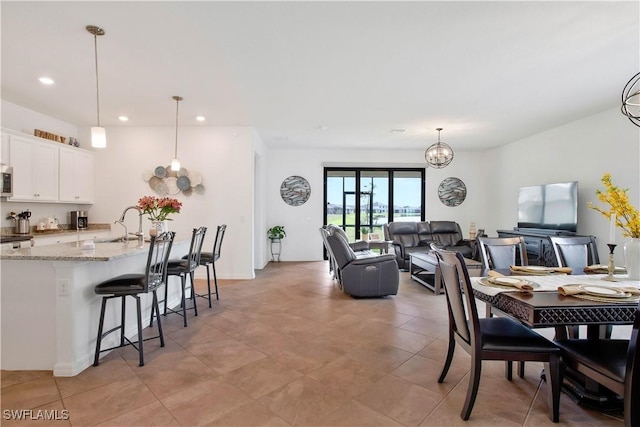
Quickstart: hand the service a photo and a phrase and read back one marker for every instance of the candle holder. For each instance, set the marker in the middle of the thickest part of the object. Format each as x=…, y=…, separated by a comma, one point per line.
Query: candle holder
x=611, y=266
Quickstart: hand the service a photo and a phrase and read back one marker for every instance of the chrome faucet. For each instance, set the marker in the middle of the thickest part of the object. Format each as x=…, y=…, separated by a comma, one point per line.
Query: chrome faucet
x=139, y=234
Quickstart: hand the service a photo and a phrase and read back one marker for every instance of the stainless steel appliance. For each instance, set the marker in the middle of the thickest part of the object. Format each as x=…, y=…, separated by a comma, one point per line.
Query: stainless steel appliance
x=79, y=220
x=7, y=182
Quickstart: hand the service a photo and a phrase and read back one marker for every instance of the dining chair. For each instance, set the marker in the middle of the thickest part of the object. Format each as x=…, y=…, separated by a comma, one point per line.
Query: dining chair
x=492, y=338
x=576, y=252
x=209, y=259
x=613, y=363
x=134, y=285
x=502, y=252
x=183, y=267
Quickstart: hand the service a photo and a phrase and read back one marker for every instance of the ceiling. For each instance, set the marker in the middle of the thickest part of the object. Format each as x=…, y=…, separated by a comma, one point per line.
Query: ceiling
x=326, y=74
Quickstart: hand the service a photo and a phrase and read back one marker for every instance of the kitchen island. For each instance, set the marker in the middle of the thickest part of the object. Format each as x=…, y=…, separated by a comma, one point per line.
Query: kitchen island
x=50, y=312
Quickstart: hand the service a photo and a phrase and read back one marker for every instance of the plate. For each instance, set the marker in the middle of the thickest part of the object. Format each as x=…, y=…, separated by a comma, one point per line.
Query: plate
x=537, y=268
x=505, y=280
x=603, y=291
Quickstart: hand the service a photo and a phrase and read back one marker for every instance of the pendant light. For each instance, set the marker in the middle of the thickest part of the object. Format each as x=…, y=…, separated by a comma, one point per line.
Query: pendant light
x=631, y=100
x=175, y=163
x=98, y=134
x=439, y=154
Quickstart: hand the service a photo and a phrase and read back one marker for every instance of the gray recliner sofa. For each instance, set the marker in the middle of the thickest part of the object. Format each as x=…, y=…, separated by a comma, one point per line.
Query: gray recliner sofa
x=369, y=276
x=411, y=237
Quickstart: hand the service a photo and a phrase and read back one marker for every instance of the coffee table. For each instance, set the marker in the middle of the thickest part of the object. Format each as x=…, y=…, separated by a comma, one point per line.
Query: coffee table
x=424, y=269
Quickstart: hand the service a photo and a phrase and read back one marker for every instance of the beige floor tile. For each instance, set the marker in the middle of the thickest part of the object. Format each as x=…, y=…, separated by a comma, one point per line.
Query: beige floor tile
x=261, y=377
x=9, y=378
x=30, y=394
x=224, y=355
x=112, y=368
x=102, y=403
x=205, y=402
x=355, y=414
x=253, y=414
x=347, y=375
x=401, y=400
x=153, y=414
x=302, y=401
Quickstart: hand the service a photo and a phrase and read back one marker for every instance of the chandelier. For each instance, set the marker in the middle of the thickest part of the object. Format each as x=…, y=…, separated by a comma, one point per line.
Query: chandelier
x=439, y=154
x=631, y=100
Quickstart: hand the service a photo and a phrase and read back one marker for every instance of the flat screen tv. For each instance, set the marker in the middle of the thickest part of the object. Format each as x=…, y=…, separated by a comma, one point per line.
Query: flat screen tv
x=550, y=206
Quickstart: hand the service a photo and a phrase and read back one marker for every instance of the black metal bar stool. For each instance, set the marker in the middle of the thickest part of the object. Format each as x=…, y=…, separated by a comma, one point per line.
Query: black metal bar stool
x=209, y=259
x=133, y=285
x=184, y=267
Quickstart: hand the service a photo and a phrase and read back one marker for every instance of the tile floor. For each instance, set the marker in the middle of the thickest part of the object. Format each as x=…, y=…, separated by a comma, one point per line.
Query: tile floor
x=289, y=348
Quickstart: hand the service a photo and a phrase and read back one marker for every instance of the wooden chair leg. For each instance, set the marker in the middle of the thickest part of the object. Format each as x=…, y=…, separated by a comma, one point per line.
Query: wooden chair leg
x=554, y=382
x=447, y=363
x=472, y=391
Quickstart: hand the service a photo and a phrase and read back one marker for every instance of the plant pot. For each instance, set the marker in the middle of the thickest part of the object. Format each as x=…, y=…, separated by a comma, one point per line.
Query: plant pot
x=276, y=248
x=158, y=227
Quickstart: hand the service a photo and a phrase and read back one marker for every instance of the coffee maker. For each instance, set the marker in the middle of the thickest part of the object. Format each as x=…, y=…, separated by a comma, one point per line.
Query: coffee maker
x=79, y=220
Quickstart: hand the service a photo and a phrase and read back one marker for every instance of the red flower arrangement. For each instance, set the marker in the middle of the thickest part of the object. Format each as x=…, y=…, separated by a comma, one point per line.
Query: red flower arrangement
x=159, y=208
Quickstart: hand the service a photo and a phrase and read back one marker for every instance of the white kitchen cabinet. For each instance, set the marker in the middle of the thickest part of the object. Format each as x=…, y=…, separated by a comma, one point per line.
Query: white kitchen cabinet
x=76, y=175
x=35, y=170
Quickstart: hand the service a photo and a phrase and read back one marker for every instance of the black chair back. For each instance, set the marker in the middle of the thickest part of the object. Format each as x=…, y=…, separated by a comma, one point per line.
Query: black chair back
x=632, y=380
x=576, y=252
x=217, y=245
x=502, y=252
x=463, y=313
x=197, y=238
x=159, y=251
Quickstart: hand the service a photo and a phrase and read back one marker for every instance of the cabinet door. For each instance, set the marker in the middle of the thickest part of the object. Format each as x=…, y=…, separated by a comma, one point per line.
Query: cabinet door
x=76, y=176
x=45, y=171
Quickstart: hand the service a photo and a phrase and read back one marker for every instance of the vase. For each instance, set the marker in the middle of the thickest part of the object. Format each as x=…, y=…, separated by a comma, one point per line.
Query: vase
x=158, y=227
x=632, y=258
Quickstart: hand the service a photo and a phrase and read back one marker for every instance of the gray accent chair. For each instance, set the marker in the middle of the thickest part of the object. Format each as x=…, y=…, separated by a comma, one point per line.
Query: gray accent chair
x=368, y=276
x=358, y=246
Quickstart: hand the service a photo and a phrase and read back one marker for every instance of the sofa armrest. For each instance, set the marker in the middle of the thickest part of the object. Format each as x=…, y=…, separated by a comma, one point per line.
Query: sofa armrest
x=373, y=259
x=359, y=246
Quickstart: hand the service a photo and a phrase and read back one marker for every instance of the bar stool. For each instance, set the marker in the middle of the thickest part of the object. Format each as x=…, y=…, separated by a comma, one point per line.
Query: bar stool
x=133, y=285
x=184, y=267
x=210, y=258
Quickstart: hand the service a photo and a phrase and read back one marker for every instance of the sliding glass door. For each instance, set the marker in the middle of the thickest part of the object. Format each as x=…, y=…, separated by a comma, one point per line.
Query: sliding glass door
x=363, y=199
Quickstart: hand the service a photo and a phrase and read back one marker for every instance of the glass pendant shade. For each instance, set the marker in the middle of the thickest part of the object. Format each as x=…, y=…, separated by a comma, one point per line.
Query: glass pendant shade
x=175, y=165
x=98, y=137
x=439, y=154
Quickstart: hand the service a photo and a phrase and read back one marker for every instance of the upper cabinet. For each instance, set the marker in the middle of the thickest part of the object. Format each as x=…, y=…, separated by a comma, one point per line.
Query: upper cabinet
x=48, y=171
x=76, y=175
x=35, y=170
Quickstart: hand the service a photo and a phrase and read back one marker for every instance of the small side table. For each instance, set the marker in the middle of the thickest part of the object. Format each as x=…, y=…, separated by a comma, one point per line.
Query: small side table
x=381, y=245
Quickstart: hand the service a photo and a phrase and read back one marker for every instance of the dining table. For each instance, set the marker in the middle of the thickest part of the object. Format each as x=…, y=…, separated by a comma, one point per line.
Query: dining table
x=563, y=301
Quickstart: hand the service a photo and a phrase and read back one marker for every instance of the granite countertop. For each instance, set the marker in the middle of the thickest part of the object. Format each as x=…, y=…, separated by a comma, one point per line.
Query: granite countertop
x=63, y=229
x=104, y=251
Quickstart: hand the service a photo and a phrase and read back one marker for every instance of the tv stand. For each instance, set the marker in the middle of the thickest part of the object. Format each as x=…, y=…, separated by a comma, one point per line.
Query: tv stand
x=539, y=250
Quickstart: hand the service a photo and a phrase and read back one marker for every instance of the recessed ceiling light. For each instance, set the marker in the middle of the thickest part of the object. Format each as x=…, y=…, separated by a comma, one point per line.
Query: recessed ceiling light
x=397, y=130
x=201, y=118
x=46, y=80
x=323, y=127
x=123, y=118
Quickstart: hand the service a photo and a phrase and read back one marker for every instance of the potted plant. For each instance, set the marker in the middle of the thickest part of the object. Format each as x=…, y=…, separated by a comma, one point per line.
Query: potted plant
x=364, y=232
x=275, y=234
